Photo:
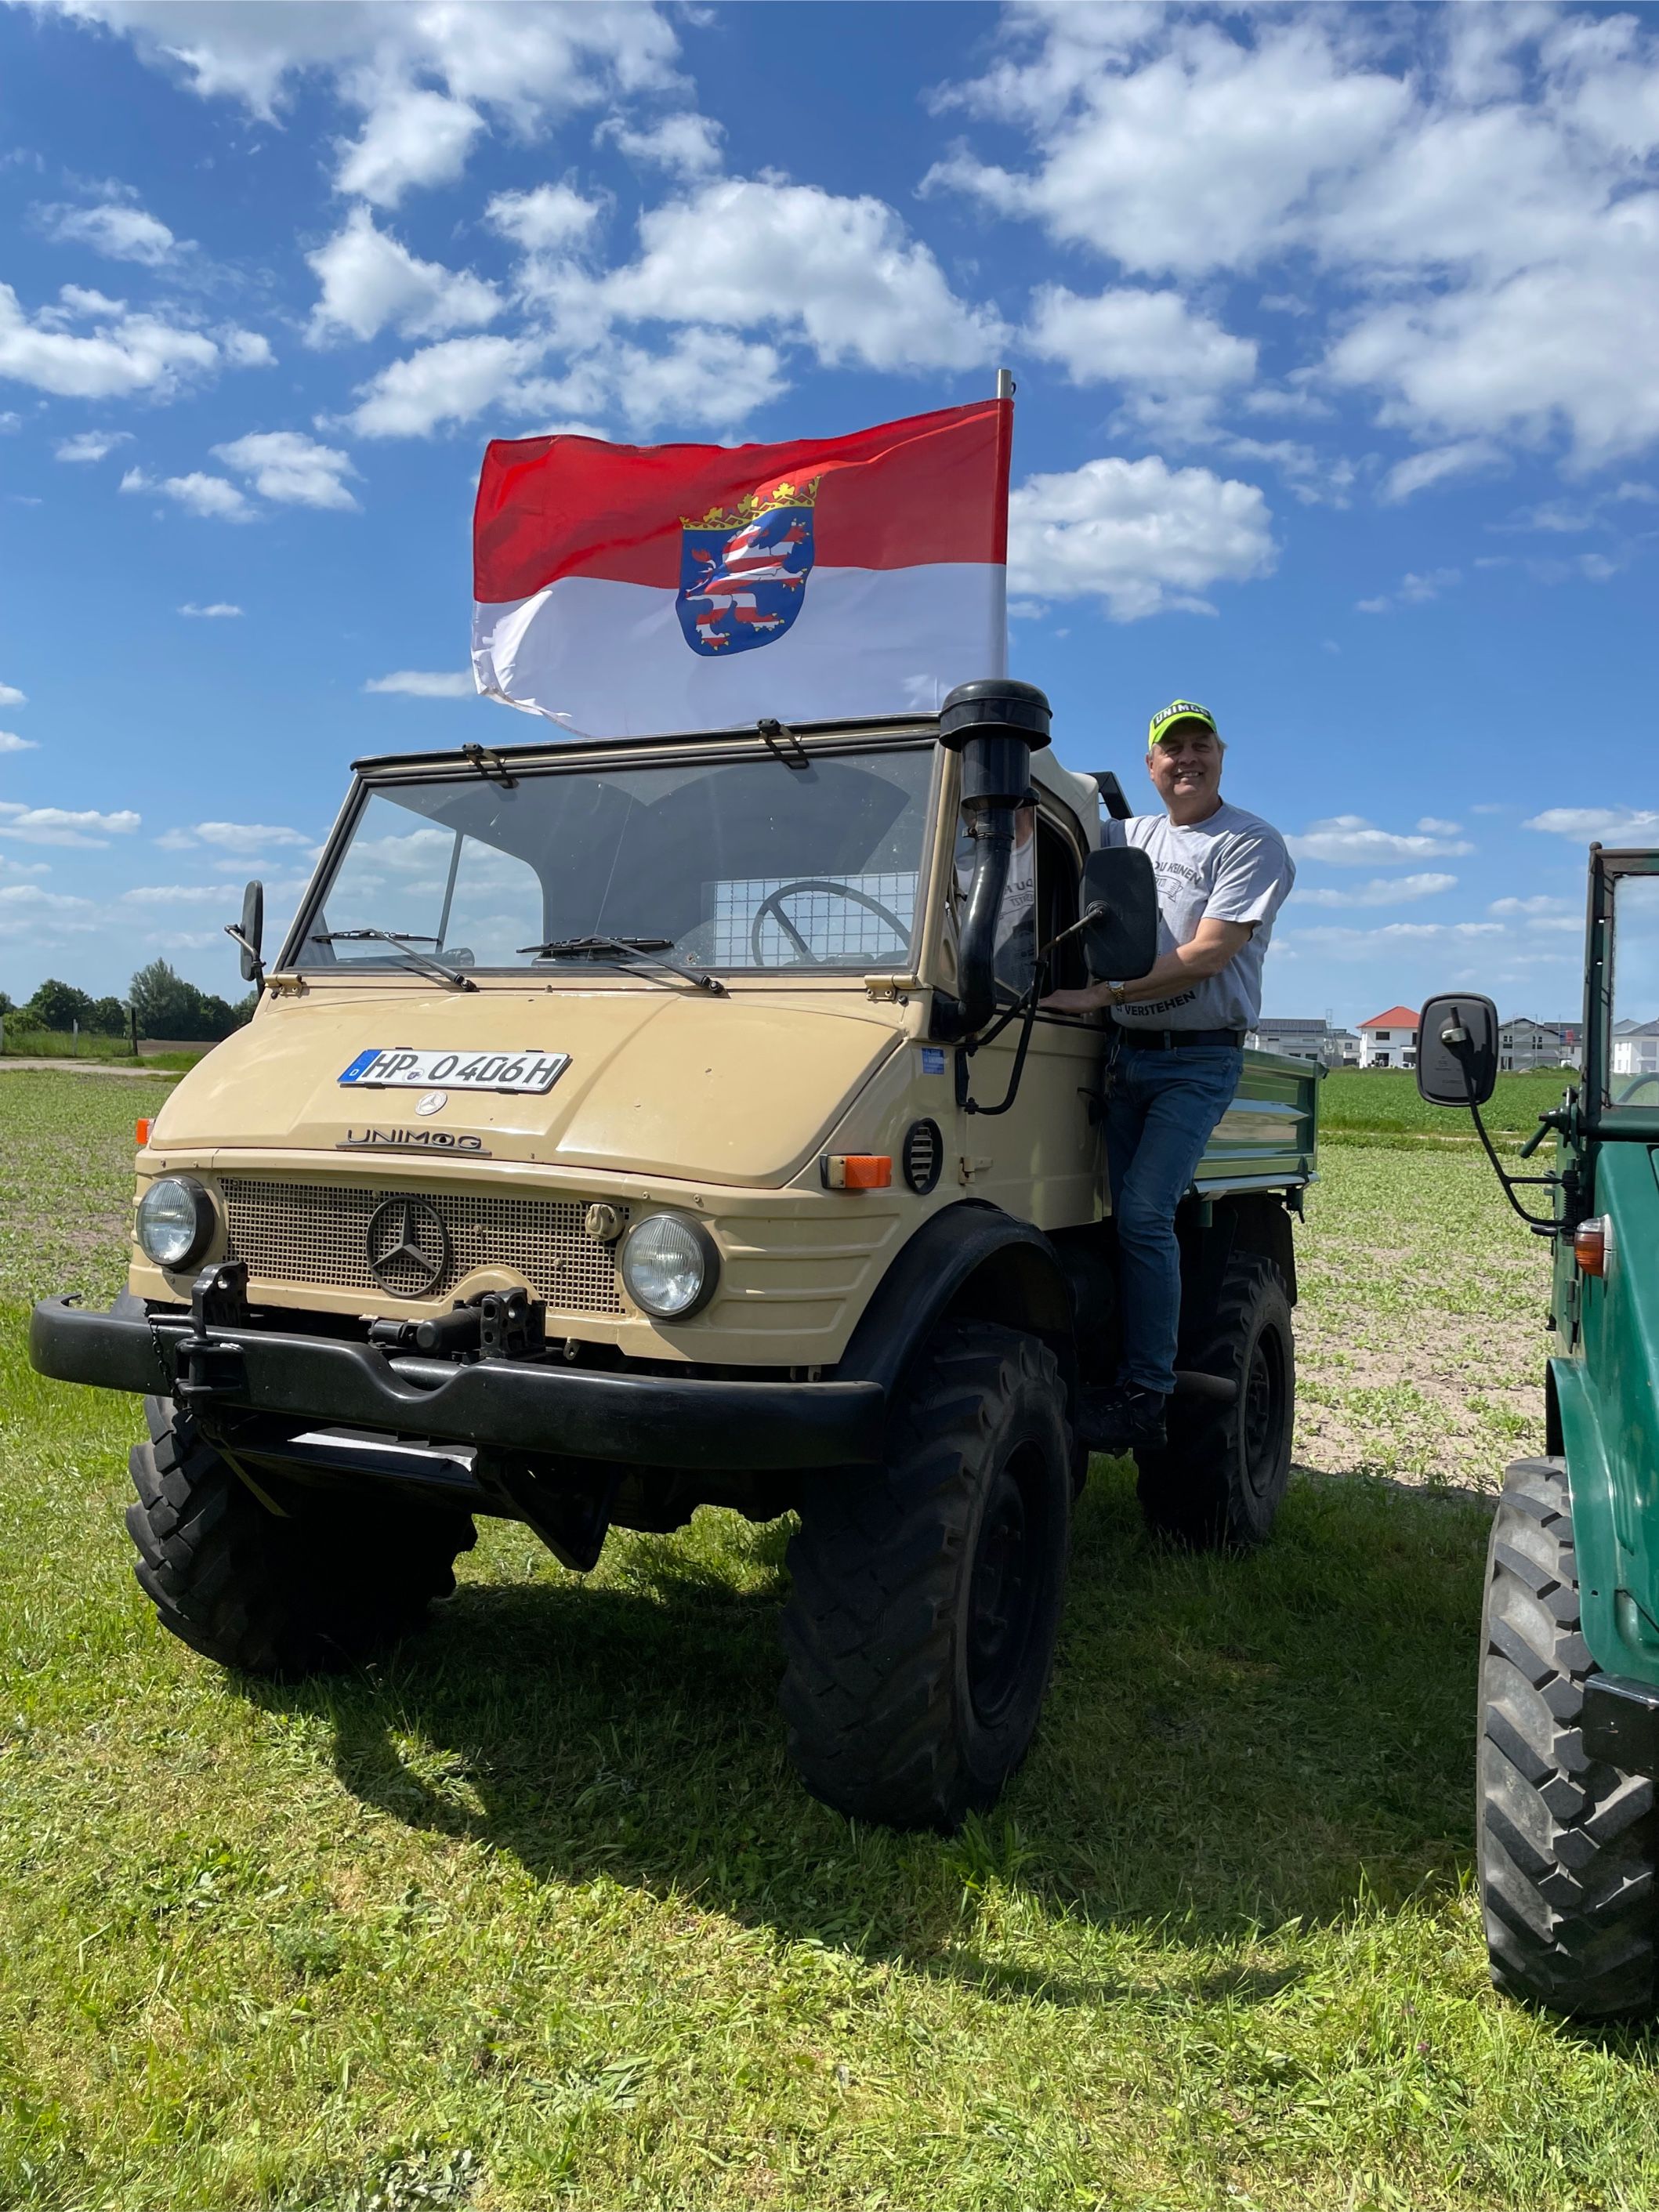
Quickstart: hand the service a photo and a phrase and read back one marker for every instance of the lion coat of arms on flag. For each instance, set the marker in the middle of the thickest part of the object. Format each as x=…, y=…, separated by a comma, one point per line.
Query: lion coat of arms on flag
x=743, y=568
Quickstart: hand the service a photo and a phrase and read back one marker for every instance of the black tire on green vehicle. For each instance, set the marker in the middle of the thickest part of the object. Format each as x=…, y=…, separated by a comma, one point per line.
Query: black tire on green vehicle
x=920, y=1632
x=1218, y=1483
x=1568, y=1846
x=324, y=1589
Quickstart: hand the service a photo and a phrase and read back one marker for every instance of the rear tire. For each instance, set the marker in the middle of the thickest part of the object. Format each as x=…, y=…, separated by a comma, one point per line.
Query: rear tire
x=919, y=1631
x=1567, y=1845
x=1218, y=1483
x=309, y=1594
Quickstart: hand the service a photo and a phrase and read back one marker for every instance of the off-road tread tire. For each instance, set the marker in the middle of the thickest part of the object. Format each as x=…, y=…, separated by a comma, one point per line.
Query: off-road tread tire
x=313, y=1594
x=1194, y=1491
x=879, y=1726
x=1568, y=1846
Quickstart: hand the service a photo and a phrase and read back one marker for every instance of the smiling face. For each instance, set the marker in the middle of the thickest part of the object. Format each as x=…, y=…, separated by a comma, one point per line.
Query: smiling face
x=1185, y=766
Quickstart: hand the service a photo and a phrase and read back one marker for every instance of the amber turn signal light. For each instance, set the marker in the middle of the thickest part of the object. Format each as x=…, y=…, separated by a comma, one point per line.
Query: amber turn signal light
x=141, y=1128
x=1592, y=1245
x=856, y=1170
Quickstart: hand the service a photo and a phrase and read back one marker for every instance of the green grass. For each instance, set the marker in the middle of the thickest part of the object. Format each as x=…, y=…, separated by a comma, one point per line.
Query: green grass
x=59, y=1044
x=1383, y=1102
x=534, y=1915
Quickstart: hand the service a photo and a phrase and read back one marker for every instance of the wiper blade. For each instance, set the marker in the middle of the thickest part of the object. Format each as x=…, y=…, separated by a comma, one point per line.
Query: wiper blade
x=623, y=952
x=426, y=963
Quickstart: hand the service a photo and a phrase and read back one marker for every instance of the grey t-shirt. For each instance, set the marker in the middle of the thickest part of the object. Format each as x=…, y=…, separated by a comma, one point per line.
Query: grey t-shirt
x=1232, y=866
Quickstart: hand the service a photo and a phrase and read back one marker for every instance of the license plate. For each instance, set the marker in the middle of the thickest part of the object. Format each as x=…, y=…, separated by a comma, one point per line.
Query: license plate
x=394, y=1069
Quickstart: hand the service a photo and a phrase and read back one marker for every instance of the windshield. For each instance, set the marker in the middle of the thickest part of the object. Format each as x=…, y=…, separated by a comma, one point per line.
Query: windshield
x=1633, y=1077
x=718, y=865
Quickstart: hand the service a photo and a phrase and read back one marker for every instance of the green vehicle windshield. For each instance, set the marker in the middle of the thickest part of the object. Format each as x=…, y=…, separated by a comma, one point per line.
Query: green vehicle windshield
x=1630, y=1074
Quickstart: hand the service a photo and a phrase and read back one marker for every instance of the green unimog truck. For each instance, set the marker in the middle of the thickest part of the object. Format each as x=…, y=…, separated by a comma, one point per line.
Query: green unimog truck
x=627, y=1127
x=1568, y=1832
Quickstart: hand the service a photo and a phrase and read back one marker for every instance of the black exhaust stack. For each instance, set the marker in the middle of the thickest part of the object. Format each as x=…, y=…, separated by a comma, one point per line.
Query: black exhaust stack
x=995, y=724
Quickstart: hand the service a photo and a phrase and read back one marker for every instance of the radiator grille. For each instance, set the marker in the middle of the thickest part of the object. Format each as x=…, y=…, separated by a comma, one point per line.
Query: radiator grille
x=317, y=1233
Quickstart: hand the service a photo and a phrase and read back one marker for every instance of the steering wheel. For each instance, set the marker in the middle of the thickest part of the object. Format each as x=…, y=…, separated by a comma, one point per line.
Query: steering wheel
x=1633, y=1086
x=772, y=904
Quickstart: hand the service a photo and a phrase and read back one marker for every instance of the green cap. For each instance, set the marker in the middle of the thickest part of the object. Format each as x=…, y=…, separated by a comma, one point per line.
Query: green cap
x=1178, y=710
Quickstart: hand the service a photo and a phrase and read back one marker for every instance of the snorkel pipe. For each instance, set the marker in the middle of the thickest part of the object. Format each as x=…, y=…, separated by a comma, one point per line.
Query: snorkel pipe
x=994, y=725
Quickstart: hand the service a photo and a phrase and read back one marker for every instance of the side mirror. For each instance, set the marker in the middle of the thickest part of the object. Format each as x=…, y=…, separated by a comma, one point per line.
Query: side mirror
x=1457, y=1050
x=250, y=935
x=1121, y=941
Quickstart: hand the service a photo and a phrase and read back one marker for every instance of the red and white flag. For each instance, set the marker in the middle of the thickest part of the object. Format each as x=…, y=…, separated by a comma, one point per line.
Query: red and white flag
x=625, y=590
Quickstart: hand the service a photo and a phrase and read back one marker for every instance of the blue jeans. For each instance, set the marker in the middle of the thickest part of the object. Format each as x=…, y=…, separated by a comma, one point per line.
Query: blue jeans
x=1161, y=1110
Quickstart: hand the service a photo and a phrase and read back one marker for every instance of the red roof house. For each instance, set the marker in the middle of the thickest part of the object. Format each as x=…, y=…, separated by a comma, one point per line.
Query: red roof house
x=1389, y=1039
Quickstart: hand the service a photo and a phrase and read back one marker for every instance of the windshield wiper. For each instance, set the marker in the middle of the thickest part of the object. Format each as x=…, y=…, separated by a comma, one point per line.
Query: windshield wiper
x=630, y=949
x=427, y=963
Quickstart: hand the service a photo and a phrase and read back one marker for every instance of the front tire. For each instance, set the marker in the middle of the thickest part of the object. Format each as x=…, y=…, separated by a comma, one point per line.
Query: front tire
x=921, y=1628
x=1568, y=1846
x=1218, y=1483
x=340, y=1580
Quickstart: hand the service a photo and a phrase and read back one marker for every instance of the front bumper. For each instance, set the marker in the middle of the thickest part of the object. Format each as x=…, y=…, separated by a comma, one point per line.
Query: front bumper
x=691, y=1423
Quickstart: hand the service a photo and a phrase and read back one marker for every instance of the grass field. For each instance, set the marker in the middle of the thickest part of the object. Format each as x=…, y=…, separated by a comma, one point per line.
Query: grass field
x=534, y=1915
x=1382, y=1102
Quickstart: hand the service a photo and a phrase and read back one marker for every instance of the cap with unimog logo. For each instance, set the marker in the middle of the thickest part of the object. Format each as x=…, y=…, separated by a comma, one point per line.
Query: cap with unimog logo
x=1178, y=710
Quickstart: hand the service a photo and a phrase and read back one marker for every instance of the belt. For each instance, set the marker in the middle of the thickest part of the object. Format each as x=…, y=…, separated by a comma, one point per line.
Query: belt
x=1173, y=1040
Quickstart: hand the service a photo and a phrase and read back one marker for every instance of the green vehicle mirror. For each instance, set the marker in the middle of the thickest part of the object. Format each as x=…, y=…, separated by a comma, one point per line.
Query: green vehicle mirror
x=1457, y=1050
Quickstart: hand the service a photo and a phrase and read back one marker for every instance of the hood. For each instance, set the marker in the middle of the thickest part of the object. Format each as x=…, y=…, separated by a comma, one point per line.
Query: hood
x=661, y=1082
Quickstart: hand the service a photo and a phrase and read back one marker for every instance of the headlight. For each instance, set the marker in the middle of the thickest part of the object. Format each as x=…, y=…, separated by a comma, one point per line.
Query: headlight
x=670, y=1266
x=176, y=1222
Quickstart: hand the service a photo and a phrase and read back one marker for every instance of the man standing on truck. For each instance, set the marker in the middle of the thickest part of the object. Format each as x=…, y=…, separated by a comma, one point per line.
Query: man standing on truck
x=1174, y=1050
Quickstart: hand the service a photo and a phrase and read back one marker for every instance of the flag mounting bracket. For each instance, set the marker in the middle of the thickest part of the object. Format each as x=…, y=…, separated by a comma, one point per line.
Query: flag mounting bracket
x=489, y=765
x=780, y=740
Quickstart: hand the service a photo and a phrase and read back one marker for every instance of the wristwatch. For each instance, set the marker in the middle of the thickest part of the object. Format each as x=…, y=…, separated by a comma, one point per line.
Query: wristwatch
x=1116, y=994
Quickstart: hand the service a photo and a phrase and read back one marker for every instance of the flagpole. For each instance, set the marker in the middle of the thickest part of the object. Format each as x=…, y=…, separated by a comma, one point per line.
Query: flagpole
x=1005, y=391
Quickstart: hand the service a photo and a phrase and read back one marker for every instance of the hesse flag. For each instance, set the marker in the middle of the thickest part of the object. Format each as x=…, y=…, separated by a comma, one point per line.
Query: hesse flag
x=625, y=590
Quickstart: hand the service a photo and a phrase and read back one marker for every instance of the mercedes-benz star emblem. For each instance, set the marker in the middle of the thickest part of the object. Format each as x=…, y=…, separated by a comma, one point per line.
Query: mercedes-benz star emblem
x=407, y=1247
x=433, y=1102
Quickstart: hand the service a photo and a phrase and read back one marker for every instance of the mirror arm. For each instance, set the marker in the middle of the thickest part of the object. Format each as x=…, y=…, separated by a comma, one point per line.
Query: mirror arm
x=234, y=931
x=1510, y=1183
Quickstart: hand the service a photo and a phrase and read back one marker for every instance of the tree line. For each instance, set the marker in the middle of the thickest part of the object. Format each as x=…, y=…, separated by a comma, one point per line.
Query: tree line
x=160, y=1004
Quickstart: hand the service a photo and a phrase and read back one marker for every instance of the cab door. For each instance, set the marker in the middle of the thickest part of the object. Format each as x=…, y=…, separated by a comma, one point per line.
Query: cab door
x=1039, y=1160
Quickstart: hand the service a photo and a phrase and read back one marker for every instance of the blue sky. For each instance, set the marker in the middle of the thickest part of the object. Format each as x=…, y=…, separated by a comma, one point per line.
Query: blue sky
x=1335, y=335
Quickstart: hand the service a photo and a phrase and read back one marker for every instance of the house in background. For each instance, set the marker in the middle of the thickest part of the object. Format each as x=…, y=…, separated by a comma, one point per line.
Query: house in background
x=1523, y=1044
x=1305, y=1038
x=1389, y=1040
x=1635, y=1049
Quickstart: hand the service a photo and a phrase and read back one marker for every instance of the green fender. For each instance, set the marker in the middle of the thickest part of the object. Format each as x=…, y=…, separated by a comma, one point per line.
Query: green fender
x=1608, y=1407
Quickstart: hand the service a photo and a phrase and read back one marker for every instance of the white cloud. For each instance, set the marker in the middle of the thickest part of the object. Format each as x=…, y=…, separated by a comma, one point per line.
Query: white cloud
x=1433, y=826
x=91, y=445
x=56, y=825
x=1381, y=891
x=705, y=377
x=1207, y=155
x=1440, y=465
x=11, y=696
x=215, y=498
x=1173, y=363
x=842, y=276
x=179, y=895
x=130, y=353
x=1540, y=904
x=1348, y=841
x=369, y=279
x=686, y=145
x=291, y=469
x=450, y=382
x=230, y=837
x=220, y=611
x=1143, y=537
x=426, y=684
x=1602, y=825
x=545, y=220
x=11, y=743
x=117, y=229
x=413, y=135
x=1416, y=588
x=527, y=66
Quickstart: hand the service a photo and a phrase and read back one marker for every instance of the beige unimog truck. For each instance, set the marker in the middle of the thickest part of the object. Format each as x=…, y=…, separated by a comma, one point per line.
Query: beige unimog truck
x=626, y=1128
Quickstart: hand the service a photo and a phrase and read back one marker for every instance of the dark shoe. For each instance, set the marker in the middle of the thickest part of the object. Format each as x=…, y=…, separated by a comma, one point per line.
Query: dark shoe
x=1121, y=1419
